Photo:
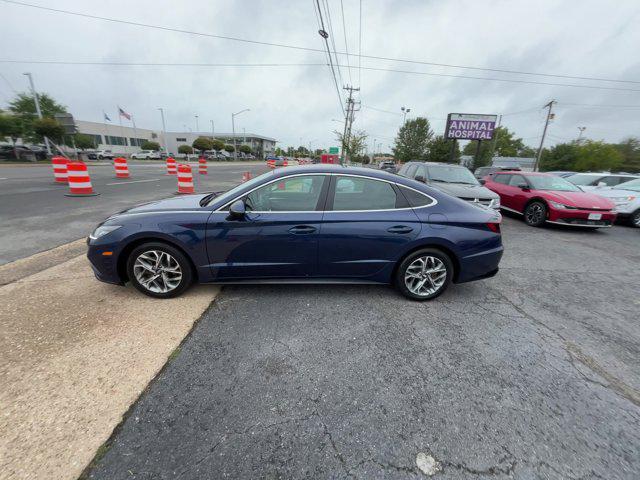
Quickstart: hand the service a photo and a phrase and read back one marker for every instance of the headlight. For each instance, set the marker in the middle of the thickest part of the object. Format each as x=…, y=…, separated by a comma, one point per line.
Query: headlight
x=556, y=204
x=102, y=230
x=494, y=203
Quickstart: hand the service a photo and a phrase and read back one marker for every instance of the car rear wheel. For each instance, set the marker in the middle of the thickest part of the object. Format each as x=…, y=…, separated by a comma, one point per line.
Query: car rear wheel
x=159, y=270
x=535, y=214
x=424, y=274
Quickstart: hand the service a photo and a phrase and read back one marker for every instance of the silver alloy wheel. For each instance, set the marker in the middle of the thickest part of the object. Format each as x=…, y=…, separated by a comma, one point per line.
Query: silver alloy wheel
x=157, y=271
x=425, y=275
x=636, y=219
x=534, y=213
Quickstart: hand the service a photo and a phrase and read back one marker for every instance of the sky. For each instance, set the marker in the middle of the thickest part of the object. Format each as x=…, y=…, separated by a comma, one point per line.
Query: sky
x=297, y=103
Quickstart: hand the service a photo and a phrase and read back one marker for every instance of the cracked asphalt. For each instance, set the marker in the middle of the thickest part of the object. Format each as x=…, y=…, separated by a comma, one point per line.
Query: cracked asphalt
x=533, y=374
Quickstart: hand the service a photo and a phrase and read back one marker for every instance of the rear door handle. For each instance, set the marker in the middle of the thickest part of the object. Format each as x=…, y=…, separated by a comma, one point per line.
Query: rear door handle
x=399, y=229
x=302, y=229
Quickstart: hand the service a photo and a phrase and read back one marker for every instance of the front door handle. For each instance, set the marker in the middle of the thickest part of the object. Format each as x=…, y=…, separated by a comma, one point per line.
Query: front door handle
x=399, y=229
x=302, y=229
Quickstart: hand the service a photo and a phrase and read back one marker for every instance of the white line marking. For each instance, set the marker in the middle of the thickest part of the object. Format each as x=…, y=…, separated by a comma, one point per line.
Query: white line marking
x=135, y=181
x=4, y=178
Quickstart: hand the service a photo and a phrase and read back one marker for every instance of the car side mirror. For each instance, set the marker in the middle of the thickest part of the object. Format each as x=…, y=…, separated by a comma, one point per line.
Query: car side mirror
x=601, y=184
x=482, y=181
x=420, y=178
x=523, y=186
x=237, y=210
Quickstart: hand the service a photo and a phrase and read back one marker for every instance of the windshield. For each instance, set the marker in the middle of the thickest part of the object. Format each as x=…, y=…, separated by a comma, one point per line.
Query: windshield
x=582, y=179
x=451, y=174
x=229, y=194
x=551, y=182
x=633, y=185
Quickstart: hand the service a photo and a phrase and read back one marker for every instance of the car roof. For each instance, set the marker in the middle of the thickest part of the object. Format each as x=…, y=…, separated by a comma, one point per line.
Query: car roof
x=444, y=164
x=337, y=169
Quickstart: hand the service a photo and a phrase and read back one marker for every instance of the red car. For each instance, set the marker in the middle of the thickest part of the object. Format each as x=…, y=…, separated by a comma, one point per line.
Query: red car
x=542, y=197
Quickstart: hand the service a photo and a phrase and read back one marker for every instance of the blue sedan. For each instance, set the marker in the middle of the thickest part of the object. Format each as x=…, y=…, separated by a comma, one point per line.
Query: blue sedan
x=310, y=224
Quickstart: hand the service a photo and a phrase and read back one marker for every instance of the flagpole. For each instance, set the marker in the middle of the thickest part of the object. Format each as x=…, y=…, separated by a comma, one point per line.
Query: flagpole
x=135, y=131
x=106, y=127
x=124, y=138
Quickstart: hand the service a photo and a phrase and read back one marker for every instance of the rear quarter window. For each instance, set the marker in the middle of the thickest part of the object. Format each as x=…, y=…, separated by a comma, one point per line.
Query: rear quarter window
x=415, y=198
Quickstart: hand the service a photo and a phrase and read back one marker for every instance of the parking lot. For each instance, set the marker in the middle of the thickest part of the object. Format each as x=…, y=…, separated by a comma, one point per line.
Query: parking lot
x=532, y=374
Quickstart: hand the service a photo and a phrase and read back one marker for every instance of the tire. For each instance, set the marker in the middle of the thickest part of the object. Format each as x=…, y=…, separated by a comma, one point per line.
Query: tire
x=634, y=219
x=535, y=214
x=410, y=285
x=100, y=157
x=167, y=285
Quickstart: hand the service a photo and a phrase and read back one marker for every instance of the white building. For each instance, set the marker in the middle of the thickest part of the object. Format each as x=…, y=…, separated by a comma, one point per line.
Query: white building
x=127, y=140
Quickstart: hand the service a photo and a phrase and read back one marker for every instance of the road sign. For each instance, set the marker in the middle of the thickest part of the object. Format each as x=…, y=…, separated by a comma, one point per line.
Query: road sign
x=334, y=150
x=470, y=126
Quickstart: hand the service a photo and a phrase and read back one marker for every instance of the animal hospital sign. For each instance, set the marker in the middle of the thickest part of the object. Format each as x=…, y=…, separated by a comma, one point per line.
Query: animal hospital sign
x=470, y=126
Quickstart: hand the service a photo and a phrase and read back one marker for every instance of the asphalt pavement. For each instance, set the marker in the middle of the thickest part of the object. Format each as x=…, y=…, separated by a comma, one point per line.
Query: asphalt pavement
x=532, y=374
x=32, y=207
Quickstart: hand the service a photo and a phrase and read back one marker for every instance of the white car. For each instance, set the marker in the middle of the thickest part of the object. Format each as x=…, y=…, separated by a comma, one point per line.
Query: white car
x=102, y=154
x=591, y=181
x=146, y=155
x=626, y=196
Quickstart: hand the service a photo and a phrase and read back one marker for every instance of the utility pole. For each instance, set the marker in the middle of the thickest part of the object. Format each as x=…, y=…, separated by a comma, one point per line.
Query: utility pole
x=233, y=128
x=544, y=134
x=36, y=99
x=212, y=131
x=495, y=137
x=582, y=129
x=164, y=132
x=348, y=123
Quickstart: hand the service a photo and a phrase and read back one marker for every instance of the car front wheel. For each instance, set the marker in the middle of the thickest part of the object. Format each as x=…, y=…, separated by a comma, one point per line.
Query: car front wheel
x=635, y=219
x=424, y=274
x=535, y=214
x=159, y=270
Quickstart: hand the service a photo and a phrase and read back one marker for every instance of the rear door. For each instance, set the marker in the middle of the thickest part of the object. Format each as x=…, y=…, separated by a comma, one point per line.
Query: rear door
x=366, y=224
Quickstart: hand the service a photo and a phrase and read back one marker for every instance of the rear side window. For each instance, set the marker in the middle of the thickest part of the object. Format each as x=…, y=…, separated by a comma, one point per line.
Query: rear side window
x=517, y=180
x=415, y=198
x=501, y=178
x=357, y=193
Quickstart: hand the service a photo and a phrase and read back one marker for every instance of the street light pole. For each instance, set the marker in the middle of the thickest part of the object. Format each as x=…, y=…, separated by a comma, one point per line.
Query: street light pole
x=36, y=99
x=213, y=132
x=164, y=132
x=197, y=127
x=582, y=129
x=233, y=129
x=404, y=114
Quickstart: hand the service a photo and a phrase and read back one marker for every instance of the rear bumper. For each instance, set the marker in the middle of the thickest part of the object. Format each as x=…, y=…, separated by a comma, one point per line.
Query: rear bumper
x=480, y=265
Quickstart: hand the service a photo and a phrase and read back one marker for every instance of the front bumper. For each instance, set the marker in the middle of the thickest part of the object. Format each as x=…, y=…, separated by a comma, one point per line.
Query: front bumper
x=105, y=267
x=581, y=218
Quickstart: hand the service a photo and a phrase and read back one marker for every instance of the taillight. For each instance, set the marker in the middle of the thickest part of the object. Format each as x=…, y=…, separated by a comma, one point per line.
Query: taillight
x=494, y=227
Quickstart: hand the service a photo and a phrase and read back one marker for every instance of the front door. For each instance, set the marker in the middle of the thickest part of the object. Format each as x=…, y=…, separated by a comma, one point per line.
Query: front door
x=278, y=238
x=365, y=227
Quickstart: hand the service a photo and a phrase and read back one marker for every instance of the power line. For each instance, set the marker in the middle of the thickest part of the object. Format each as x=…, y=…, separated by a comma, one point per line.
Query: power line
x=596, y=105
x=346, y=47
x=360, y=47
x=309, y=49
x=324, y=35
x=165, y=64
x=332, y=38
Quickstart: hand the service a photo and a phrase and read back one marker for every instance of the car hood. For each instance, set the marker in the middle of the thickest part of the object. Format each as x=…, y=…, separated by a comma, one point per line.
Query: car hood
x=579, y=199
x=182, y=202
x=462, y=190
x=616, y=193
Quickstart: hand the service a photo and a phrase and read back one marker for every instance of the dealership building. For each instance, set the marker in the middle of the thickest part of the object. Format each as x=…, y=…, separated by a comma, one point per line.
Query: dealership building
x=127, y=140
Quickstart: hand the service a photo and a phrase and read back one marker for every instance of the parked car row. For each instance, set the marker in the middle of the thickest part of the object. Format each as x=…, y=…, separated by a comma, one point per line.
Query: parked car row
x=9, y=152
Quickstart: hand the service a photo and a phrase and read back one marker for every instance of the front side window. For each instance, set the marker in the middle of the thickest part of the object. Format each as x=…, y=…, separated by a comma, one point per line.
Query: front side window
x=421, y=172
x=583, y=179
x=501, y=178
x=517, y=180
x=292, y=194
x=410, y=171
x=358, y=193
x=632, y=185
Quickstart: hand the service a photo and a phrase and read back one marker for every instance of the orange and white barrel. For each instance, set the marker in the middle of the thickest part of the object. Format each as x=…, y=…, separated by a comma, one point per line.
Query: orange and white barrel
x=79, y=180
x=60, y=169
x=246, y=176
x=122, y=169
x=185, y=179
x=202, y=166
x=171, y=166
x=271, y=163
x=285, y=163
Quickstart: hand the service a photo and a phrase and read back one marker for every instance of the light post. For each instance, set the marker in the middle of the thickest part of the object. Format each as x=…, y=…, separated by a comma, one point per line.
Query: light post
x=404, y=114
x=233, y=130
x=197, y=127
x=582, y=129
x=164, y=132
x=36, y=99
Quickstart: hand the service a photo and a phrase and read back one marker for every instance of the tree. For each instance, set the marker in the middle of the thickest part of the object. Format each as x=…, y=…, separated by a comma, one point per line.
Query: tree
x=440, y=150
x=279, y=152
x=147, y=145
x=356, y=144
x=83, y=141
x=597, y=156
x=504, y=144
x=25, y=108
x=48, y=127
x=217, y=145
x=412, y=142
x=630, y=151
x=245, y=148
x=186, y=149
x=10, y=127
x=202, y=144
x=559, y=157
x=229, y=148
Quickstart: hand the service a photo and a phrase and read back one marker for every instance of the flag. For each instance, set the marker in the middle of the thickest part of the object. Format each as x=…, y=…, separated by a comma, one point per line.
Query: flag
x=124, y=114
x=106, y=117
